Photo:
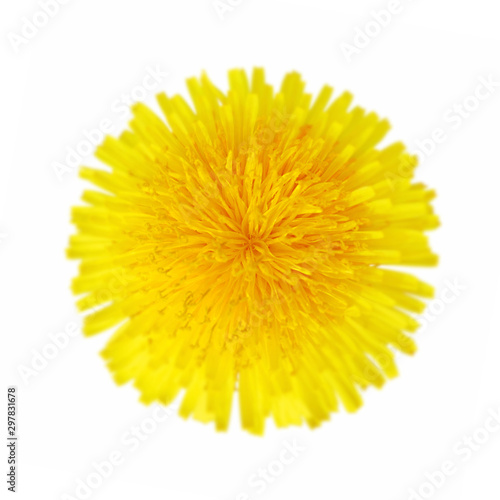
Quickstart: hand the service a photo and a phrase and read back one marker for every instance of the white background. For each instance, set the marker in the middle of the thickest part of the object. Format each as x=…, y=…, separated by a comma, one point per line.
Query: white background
x=69, y=76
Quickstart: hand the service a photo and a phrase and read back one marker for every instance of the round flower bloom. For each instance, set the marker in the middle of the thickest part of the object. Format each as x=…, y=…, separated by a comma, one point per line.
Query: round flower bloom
x=241, y=247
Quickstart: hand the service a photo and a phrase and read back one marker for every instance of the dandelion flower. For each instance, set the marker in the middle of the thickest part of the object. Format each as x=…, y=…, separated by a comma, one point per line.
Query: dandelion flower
x=241, y=246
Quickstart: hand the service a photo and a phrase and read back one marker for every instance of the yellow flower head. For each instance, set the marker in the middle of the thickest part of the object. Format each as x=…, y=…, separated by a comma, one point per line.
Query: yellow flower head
x=240, y=246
